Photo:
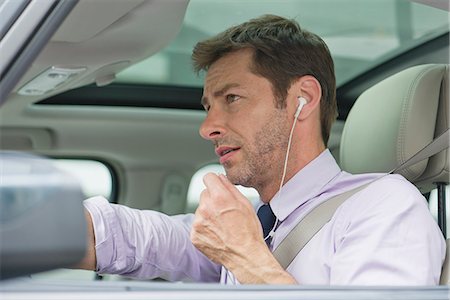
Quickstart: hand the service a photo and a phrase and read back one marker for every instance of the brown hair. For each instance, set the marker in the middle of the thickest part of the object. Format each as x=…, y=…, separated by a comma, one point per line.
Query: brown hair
x=282, y=52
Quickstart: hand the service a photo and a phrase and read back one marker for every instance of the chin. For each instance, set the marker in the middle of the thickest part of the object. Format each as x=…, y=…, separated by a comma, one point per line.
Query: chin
x=231, y=175
x=238, y=178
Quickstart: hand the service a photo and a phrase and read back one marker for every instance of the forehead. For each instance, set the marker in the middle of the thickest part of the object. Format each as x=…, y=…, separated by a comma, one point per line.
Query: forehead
x=230, y=66
x=231, y=70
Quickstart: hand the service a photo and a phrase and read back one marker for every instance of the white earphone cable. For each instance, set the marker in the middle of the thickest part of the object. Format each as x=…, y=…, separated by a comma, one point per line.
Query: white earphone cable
x=287, y=155
x=297, y=113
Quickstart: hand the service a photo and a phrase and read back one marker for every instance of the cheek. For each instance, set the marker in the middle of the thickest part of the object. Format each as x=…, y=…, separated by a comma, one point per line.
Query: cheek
x=273, y=135
x=261, y=125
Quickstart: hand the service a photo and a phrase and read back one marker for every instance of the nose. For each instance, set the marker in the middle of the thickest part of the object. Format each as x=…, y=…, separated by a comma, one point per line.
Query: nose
x=213, y=126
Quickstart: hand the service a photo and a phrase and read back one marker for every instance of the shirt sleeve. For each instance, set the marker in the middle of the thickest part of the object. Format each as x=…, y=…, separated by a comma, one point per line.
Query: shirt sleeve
x=146, y=244
x=389, y=239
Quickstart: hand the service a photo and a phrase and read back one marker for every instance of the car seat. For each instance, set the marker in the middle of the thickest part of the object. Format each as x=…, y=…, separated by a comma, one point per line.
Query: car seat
x=393, y=120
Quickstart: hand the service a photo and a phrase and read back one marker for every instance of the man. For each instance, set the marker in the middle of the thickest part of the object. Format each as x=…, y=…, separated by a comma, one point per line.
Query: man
x=269, y=94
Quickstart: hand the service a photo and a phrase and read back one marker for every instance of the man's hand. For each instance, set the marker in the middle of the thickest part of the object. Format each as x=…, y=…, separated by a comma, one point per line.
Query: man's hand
x=227, y=230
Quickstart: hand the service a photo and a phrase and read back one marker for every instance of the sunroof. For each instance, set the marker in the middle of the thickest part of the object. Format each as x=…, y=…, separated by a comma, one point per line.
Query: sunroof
x=359, y=33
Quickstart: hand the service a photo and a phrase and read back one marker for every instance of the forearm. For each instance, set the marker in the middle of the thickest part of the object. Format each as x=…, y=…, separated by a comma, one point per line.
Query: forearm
x=143, y=244
x=89, y=260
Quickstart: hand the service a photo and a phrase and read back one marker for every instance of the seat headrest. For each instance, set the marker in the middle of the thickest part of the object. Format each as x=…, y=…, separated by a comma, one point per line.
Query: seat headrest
x=396, y=118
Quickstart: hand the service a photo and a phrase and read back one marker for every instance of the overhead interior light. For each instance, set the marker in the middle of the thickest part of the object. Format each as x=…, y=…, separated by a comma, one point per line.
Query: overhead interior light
x=49, y=80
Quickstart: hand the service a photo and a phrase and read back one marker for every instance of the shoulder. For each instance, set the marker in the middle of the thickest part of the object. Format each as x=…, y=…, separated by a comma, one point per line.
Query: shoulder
x=389, y=191
x=387, y=203
x=393, y=183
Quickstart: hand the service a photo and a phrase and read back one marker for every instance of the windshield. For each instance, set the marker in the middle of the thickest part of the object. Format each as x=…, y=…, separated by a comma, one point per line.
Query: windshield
x=359, y=33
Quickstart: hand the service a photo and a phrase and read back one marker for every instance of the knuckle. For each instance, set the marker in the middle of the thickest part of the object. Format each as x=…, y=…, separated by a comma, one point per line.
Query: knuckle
x=196, y=227
x=202, y=212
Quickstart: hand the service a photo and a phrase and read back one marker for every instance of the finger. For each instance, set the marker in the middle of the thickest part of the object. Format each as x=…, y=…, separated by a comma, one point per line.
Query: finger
x=203, y=199
x=214, y=185
x=202, y=208
x=231, y=187
x=204, y=195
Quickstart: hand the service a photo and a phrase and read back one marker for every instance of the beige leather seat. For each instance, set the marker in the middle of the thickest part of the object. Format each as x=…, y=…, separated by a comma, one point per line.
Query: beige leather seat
x=396, y=118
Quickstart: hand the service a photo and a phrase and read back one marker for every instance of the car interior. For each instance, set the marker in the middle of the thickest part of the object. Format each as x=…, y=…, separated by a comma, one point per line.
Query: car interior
x=115, y=86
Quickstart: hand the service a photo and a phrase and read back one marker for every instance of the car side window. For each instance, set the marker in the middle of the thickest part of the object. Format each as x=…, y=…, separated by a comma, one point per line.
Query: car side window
x=95, y=178
x=196, y=187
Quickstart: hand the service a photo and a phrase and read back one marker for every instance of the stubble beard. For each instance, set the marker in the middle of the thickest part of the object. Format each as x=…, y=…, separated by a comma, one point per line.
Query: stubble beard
x=263, y=159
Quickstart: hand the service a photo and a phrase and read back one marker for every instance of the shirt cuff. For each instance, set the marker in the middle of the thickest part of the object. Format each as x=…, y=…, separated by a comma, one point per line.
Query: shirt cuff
x=103, y=221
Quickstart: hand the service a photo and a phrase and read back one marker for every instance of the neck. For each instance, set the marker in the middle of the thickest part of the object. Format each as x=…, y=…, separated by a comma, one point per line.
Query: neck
x=297, y=161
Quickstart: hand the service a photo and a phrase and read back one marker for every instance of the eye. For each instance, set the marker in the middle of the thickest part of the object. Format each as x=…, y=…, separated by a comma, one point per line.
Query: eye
x=232, y=98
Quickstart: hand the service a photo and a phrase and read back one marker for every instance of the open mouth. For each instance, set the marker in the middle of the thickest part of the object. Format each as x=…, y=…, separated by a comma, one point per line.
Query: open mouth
x=225, y=153
x=222, y=151
x=228, y=151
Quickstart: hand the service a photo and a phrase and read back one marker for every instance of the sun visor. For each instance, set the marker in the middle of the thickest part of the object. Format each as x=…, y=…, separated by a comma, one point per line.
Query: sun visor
x=89, y=18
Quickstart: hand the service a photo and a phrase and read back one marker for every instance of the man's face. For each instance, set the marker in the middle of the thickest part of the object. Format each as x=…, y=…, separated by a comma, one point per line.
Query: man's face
x=249, y=133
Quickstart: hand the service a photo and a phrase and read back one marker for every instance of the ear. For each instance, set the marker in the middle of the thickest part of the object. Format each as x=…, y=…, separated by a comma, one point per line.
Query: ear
x=309, y=88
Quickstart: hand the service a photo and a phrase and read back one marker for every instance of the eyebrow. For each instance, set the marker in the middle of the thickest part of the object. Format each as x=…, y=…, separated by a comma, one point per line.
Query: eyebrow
x=204, y=101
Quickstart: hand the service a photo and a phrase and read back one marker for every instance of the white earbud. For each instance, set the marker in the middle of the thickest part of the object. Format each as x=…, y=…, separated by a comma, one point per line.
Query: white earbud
x=301, y=102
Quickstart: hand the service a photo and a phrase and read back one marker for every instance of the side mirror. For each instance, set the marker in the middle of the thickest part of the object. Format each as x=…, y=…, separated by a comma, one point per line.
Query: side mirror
x=42, y=223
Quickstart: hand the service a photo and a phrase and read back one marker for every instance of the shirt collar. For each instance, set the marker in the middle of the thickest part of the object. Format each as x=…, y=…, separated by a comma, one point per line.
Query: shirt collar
x=308, y=183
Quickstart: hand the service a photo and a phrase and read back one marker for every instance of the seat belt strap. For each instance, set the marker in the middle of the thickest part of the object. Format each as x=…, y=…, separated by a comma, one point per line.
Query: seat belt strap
x=304, y=231
x=437, y=145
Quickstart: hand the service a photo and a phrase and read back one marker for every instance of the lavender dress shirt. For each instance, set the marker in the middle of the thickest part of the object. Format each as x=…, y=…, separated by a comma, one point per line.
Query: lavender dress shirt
x=383, y=235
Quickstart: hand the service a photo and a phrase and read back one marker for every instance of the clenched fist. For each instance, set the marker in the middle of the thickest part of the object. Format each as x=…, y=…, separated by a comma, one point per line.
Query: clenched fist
x=227, y=230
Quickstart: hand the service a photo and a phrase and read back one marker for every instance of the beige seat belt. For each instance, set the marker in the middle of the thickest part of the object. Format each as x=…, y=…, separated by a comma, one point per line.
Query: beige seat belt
x=302, y=233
